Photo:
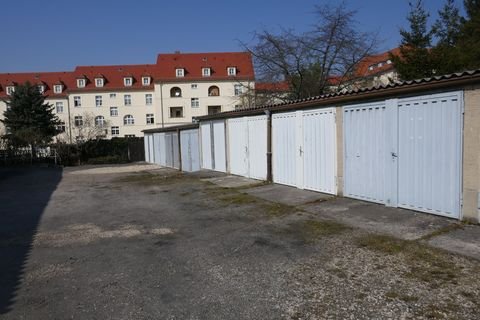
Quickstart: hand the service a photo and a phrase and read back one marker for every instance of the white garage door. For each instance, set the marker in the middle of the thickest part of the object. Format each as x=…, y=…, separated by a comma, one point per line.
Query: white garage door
x=206, y=139
x=146, y=142
x=429, y=154
x=304, y=149
x=319, y=150
x=190, y=152
x=160, y=149
x=285, y=151
x=406, y=153
x=213, y=146
x=248, y=146
x=364, y=152
x=220, y=161
x=155, y=142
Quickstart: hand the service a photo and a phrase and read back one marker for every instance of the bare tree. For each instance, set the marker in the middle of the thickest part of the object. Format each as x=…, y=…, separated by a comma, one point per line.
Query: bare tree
x=314, y=62
x=90, y=127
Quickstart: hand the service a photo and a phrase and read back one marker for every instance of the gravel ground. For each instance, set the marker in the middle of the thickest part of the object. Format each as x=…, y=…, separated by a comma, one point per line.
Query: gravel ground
x=115, y=244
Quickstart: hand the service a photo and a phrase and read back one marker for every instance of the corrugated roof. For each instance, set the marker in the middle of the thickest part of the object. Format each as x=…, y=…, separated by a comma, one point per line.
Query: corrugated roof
x=400, y=87
x=173, y=128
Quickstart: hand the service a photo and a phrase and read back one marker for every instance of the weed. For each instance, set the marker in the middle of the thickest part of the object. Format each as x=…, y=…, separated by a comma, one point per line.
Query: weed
x=441, y=231
x=147, y=179
x=427, y=264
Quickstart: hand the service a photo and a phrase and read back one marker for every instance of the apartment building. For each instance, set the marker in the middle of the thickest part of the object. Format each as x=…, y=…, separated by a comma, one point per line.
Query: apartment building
x=123, y=100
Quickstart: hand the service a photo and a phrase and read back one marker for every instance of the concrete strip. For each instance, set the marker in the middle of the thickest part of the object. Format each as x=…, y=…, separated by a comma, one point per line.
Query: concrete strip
x=287, y=195
x=465, y=241
x=404, y=224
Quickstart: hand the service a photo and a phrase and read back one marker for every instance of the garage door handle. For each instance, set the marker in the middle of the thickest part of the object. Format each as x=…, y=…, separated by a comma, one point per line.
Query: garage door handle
x=300, y=151
x=394, y=155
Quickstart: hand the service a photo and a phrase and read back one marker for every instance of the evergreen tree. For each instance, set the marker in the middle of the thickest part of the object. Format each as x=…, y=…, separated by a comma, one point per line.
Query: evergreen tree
x=415, y=60
x=469, y=38
x=30, y=121
x=447, y=31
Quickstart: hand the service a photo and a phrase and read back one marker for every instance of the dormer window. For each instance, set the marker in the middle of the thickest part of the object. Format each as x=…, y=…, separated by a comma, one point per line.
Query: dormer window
x=58, y=88
x=232, y=71
x=99, y=82
x=146, y=81
x=127, y=81
x=206, y=72
x=389, y=61
x=41, y=88
x=81, y=83
x=180, y=72
x=10, y=90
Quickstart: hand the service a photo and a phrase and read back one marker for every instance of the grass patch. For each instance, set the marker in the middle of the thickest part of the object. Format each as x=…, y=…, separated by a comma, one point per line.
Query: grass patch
x=427, y=264
x=147, y=179
x=309, y=231
x=238, y=198
x=273, y=209
x=441, y=231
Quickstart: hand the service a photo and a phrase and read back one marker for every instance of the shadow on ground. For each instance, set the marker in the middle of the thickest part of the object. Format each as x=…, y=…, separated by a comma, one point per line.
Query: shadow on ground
x=24, y=194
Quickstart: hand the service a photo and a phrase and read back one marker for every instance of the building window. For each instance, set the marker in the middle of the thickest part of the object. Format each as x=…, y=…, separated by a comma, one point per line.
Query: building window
x=214, y=109
x=115, y=131
x=10, y=90
x=99, y=82
x=389, y=61
x=61, y=127
x=129, y=136
x=127, y=81
x=41, y=88
x=176, y=112
x=127, y=99
x=59, y=107
x=58, y=88
x=146, y=81
x=98, y=101
x=128, y=120
x=206, y=72
x=150, y=118
x=80, y=83
x=99, y=121
x=180, y=72
x=175, y=92
x=194, y=86
x=238, y=107
x=77, y=101
x=113, y=112
x=78, y=120
x=148, y=99
x=213, y=91
x=195, y=102
x=9, y=107
x=231, y=71
x=113, y=95
x=238, y=89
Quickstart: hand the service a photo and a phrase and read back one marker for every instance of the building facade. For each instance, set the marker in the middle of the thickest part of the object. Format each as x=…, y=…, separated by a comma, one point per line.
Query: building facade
x=123, y=100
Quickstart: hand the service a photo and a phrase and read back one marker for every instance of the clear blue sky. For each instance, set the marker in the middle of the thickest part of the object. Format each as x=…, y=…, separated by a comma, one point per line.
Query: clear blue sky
x=56, y=35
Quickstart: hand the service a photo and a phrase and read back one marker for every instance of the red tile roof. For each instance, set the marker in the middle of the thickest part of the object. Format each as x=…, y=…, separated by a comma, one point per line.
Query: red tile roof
x=113, y=77
x=282, y=86
x=373, y=61
x=193, y=63
x=49, y=79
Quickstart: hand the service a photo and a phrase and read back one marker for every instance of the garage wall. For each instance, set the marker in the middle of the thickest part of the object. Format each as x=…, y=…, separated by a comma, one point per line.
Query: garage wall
x=471, y=154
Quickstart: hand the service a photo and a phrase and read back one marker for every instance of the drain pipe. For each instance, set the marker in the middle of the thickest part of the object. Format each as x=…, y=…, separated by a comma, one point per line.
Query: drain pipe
x=269, y=146
x=180, y=164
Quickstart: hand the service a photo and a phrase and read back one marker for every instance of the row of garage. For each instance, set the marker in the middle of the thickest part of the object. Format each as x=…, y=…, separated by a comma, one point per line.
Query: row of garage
x=398, y=152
